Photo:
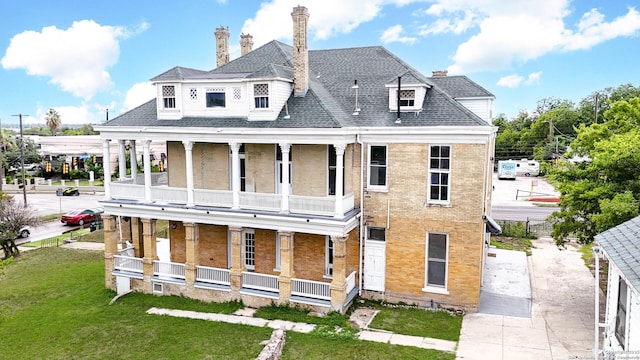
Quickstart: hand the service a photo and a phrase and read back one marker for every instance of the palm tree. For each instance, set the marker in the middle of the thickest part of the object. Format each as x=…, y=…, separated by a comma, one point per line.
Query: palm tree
x=53, y=120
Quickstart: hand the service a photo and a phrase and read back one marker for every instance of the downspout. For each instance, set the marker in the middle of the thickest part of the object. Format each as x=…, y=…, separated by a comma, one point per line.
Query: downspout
x=361, y=239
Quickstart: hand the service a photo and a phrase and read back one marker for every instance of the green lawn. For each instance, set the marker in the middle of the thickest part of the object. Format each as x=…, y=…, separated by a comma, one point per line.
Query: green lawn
x=418, y=322
x=53, y=305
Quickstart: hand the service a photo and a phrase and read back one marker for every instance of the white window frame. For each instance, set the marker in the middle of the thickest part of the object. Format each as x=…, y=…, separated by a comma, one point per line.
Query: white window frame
x=407, y=98
x=245, y=232
x=436, y=288
x=255, y=97
x=328, y=257
x=168, y=100
x=243, y=160
x=439, y=171
x=622, y=338
x=278, y=257
x=386, y=166
x=215, y=91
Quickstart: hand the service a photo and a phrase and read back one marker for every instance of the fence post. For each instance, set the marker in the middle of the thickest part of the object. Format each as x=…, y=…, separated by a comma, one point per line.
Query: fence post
x=527, y=226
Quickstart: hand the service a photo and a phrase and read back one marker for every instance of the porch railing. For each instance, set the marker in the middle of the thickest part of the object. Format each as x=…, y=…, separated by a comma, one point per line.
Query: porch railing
x=351, y=281
x=256, y=281
x=312, y=289
x=120, y=190
x=169, y=194
x=223, y=198
x=168, y=269
x=260, y=201
x=127, y=263
x=213, y=275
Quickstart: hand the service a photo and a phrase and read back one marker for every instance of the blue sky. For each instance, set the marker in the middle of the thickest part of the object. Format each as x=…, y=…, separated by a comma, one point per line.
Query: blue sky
x=82, y=57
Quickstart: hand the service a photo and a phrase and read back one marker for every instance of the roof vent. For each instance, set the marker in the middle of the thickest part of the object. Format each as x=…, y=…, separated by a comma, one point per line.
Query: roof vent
x=356, y=111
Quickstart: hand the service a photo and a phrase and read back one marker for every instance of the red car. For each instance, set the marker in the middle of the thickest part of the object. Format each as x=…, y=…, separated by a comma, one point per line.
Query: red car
x=81, y=217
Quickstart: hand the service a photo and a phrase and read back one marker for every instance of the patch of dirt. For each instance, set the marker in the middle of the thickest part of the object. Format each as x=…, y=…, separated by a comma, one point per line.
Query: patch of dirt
x=362, y=317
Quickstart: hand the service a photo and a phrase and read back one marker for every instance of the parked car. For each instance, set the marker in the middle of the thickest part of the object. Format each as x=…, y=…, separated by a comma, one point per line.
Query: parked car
x=81, y=217
x=69, y=191
x=25, y=231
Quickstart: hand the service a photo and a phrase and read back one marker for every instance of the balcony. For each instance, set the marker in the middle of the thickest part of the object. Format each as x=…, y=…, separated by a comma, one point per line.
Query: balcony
x=161, y=193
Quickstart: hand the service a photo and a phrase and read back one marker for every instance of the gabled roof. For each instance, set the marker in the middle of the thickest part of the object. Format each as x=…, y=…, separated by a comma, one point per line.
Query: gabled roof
x=622, y=246
x=460, y=86
x=331, y=100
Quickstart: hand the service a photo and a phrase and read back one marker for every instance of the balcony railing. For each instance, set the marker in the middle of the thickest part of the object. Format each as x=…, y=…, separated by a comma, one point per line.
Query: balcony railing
x=251, y=280
x=127, y=263
x=168, y=270
x=311, y=289
x=213, y=275
x=298, y=204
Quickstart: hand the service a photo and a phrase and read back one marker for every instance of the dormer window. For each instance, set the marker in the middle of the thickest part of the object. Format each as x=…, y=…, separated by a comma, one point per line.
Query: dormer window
x=407, y=97
x=261, y=96
x=169, y=96
x=216, y=98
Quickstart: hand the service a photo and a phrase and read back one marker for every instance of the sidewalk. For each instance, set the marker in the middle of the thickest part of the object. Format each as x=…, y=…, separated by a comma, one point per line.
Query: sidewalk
x=561, y=325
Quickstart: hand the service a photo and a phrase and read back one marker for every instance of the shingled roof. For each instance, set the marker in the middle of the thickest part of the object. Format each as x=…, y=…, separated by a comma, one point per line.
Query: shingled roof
x=331, y=100
x=622, y=246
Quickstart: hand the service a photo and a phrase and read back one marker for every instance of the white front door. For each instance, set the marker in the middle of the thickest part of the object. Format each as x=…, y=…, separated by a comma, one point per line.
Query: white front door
x=374, y=265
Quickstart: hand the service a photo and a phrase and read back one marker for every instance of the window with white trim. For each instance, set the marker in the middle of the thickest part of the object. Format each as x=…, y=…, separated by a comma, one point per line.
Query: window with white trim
x=378, y=166
x=169, y=96
x=328, y=257
x=436, y=261
x=216, y=98
x=249, y=249
x=332, y=161
x=439, y=173
x=278, y=262
x=261, y=96
x=407, y=97
x=376, y=233
x=621, y=313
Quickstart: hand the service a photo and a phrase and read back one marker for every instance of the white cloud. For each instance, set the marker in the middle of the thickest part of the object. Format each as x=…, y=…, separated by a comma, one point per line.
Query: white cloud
x=534, y=78
x=327, y=19
x=69, y=115
x=517, y=31
x=510, y=81
x=76, y=59
x=392, y=34
x=139, y=94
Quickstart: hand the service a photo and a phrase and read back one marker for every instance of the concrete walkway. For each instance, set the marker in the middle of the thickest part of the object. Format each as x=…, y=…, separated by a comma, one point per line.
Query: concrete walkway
x=561, y=325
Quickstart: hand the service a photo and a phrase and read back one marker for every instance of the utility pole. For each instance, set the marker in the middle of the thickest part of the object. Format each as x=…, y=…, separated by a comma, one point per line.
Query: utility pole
x=24, y=184
x=550, y=131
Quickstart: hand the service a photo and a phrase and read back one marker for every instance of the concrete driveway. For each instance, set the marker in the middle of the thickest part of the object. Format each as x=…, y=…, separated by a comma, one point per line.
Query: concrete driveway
x=561, y=324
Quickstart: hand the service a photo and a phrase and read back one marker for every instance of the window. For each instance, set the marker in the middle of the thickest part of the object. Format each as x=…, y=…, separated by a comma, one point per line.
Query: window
x=436, y=264
x=621, y=314
x=332, y=171
x=277, y=267
x=439, y=169
x=328, y=257
x=376, y=233
x=378, y=165
x=261, y=96
x=216, y=98
x=407, y=97
x=169, y=96
x=249, y=250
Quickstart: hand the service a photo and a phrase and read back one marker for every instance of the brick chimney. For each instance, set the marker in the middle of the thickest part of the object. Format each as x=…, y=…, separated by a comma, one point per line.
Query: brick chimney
x=300, y=17
x=222, y=46
x=246, y=44
x=439, y=73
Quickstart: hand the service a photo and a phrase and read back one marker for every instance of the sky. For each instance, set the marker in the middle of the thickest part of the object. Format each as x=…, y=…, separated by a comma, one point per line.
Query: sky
x=92, y=59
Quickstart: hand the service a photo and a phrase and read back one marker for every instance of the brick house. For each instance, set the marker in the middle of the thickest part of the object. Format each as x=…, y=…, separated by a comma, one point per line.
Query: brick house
x=293, y=176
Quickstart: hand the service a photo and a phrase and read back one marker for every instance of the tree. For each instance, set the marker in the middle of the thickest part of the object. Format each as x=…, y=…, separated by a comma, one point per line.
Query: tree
x=601, y=194
x=13, y=216
x=53, y=120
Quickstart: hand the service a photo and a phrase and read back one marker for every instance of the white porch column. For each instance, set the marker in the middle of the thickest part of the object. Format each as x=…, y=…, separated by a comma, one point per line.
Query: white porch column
x=235, y=174
x=284, y=188
x=146, y=160
x=106, y=166
x=339, y=179
x=134, y=161
x=188, y=155
x=122, y=160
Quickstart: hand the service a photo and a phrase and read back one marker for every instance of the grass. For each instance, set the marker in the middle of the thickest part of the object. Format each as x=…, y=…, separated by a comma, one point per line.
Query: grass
x=418, y=322
x=512, y=243
x=297, y=314
x=53, y=304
